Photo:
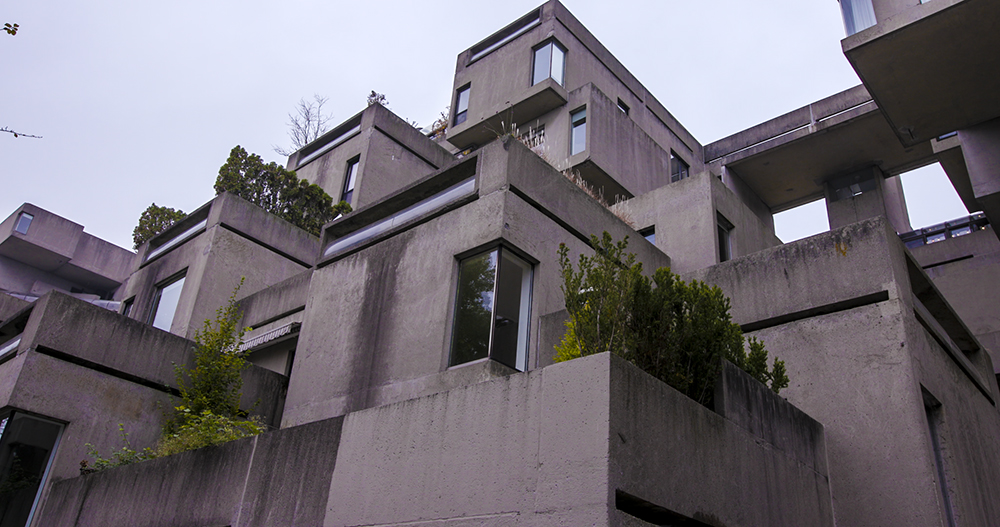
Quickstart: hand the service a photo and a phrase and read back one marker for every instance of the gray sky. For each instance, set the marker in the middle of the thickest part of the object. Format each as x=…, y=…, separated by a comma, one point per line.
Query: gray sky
x=141, y=102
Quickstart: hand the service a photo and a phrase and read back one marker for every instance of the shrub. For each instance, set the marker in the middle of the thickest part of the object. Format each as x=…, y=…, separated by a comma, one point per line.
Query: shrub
x=673, y=330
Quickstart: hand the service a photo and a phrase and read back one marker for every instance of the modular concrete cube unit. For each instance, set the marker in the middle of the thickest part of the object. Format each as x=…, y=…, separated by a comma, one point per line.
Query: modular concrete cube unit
x=379, y=316
x=875, y=354
x=213, y=249
x=386, y=153
x=593, y=441
x=53, y=253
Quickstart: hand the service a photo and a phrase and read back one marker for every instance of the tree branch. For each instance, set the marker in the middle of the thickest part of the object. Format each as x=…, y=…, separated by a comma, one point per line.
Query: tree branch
x=18, y=134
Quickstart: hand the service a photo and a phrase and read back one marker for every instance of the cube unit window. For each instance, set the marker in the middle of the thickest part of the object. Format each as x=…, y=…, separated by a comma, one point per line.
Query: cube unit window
x=491, y=309
x=549, y=63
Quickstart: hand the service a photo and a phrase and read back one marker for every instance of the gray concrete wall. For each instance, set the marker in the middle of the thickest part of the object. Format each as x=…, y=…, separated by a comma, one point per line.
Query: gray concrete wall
x=10, y=305
x=548, y=447
x=231, y=484
x=392, y=154
x=966, y=270
x=378, y=321
x=981, y=149
x=838, y=308
x=241, y=241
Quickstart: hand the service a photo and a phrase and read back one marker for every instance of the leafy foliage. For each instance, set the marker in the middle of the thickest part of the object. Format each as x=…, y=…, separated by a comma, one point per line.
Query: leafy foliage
x=11, y=29
x=209, y=413
x=377, y=98
x=278, y=191
x=673, y=330
x=154, y=220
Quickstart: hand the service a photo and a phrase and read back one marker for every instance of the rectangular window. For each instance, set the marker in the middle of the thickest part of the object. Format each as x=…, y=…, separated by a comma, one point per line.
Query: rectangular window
x=462, y=104
x=725, y=238
x=678, y=168
x=932, y=409
x=858, y=15
x=550, y=62
x=26, y=446
x=622, y=106
x=649, y=233
x=491, y=311
x=127, y=306
x=165, y=300
x=23, y=222
x=350, y=178
x=578, y=135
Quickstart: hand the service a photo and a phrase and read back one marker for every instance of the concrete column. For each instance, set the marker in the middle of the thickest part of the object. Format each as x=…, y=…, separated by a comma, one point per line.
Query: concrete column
x=866, y=194
x=981, y=149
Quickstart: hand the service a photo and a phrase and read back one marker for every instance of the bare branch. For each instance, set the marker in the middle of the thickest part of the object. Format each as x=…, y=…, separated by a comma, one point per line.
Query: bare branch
x=306, y=124
x=18, y=134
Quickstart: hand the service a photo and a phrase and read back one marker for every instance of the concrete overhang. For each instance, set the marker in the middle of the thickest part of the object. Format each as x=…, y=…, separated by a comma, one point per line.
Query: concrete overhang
x=787, y=160
x=539, y=100
x=933, y=68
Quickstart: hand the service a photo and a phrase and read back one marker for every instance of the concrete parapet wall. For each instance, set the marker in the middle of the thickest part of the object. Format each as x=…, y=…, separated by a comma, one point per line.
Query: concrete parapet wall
x=544, y=448
x=279, y=478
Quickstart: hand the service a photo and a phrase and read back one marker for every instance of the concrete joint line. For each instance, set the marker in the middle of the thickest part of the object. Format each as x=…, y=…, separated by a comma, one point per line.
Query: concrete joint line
x=246, y=481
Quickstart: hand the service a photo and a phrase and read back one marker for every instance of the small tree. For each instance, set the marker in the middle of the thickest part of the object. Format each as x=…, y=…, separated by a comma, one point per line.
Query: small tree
x=676, y=331
x=377, y=98
x=154, y=220
x=278, y=191
x=306, y=124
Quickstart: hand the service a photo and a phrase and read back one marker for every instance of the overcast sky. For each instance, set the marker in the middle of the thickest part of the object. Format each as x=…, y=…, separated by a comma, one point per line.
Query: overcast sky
x=141, y=102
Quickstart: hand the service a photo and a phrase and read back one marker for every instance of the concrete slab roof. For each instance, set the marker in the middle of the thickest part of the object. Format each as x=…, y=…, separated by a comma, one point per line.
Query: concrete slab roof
x=932, y=68
x=787, y=160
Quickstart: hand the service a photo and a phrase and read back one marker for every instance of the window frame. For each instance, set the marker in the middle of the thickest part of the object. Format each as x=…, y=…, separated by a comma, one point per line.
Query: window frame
x=20, y=220
x=677, y=175
x=575, y=123
x=127, y=306
x=649, y=232
x=462, y=114
x=154, y=304
x=622, y=106
x=350, y=179
x=725, y=237
x=552, y=44
x=517, y=358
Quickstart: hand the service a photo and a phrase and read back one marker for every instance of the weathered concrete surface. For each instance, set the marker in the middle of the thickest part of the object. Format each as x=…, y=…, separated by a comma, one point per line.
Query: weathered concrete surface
x=838, y=308
x=232, y=484
x=10, y=305
x=276, y=301
x=966, y=270
x=241, y=241
x=378, y=321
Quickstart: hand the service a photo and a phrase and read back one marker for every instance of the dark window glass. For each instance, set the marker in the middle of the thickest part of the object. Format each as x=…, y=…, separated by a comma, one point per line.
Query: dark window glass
x=26, y=445
x=622, y=106
x=578, y=140
x=649, y=233
x=127, y=306
x=549, y=62
x=23, y=222
x=678, y=168
x=165, y=301
x=461, y=105
x=725, y=238
x=491, y=314
x=349, y=179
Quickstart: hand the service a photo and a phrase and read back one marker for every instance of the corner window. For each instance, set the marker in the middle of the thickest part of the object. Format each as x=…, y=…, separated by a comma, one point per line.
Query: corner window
x=491, y=311
x=678, y=168
x=350, y=177
x=858, y=15
x=165, y=300
x=725, y=238
x=23, y=222
x=462, y=104
x=549, y=62
x=578, y=134
x=26, y=446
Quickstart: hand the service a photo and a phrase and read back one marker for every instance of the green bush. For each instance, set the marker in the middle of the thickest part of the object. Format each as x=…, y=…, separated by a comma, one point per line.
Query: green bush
x=673, y=330
x=209, y=413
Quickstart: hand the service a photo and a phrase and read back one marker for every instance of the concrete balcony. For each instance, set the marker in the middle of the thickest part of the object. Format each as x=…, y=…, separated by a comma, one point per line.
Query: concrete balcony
x=933, y=67
x=480, y=129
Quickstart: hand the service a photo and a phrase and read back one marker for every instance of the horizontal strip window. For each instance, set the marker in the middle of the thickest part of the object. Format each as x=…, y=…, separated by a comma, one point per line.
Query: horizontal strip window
x=449, y=195
x=328, y=146
x=505, y=35
x=177, y=240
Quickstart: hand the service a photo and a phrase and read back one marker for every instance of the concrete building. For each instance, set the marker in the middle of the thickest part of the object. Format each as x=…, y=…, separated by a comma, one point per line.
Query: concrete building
x=404, y=357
